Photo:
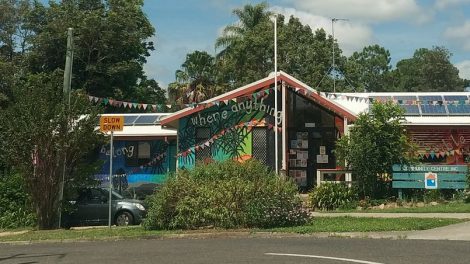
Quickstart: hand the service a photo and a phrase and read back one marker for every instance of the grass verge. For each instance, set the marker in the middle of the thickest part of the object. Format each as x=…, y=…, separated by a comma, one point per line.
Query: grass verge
x=319, y=224
x=453, y=207
x=356, y=224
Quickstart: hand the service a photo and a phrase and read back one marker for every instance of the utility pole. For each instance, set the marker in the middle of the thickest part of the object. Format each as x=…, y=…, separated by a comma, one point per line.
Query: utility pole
x=333, y=67
x=68, y=66
x=66, y=92
x=276, y=150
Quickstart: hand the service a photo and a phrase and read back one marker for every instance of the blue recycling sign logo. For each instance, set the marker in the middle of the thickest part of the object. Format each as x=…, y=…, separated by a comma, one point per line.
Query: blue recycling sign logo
x=430, y=180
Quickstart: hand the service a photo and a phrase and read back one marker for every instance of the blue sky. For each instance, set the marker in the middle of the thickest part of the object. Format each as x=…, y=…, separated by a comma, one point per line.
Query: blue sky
x=401, y=26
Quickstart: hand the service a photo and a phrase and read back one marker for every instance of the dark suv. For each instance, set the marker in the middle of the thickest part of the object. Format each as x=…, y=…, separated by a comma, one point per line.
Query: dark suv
x=91, y=208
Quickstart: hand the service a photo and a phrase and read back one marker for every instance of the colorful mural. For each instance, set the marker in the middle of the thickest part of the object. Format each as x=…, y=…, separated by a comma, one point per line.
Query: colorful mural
x=442, y=145
x=138, y=165
x=224, y=131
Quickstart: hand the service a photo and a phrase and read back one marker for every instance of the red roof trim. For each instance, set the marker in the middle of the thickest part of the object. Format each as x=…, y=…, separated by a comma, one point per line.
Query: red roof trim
x=320, y=100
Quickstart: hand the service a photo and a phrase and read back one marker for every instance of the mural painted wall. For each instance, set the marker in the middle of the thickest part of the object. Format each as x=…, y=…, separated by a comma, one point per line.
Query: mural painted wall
x=138, y=165
x=442, y=145
x=224, y=131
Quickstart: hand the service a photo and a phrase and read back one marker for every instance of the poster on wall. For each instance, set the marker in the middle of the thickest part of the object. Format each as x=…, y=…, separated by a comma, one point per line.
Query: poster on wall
x=322, y=158
x=322, y=150
x=299, y=176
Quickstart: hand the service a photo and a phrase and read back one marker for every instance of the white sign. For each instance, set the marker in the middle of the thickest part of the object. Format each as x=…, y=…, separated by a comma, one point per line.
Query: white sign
x=322, y=158
x=430, y=180
x=309, y=124
x=322, y=150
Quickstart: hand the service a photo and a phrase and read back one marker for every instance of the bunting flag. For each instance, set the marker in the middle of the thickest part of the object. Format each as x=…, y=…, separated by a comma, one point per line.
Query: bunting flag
x=248, y=125
x=154, y=161
x=160, y=107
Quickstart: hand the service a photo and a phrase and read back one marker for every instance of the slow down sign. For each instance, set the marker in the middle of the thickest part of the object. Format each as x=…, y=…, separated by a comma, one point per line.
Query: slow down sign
x=111, y=123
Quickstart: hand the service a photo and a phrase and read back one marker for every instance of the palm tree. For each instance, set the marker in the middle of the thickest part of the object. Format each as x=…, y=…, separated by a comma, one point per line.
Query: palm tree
x=249, y=17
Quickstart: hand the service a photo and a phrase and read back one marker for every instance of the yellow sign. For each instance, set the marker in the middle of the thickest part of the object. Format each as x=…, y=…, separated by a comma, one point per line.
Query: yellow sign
x=111, y=123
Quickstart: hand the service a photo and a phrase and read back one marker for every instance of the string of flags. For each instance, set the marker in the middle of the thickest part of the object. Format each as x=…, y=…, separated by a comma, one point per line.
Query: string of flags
x=130, y=105
x=161, y=107
x=438, y=154
x=362, y=99
x=154, y=161
x=249, y=125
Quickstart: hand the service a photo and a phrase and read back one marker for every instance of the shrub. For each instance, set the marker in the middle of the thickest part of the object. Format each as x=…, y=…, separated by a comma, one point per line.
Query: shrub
x=432, y=196
x=226, y=194
x=15, y=204
x=330, y=196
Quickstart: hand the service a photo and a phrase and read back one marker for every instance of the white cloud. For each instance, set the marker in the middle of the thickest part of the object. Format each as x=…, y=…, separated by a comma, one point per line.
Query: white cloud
x=443, y=4
x=464, y=69
x=372, y=11
x=351, y=36
x=460, y=34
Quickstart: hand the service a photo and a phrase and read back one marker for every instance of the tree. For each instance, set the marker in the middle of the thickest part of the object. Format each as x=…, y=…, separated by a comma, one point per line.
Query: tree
x=428, y=70
x=367, y=70
x=14, y=37
x=249, y=18
x=376, y=142
x=148, y=90
x=197, y=79
x=249, y=49
x=111, y=43
x=38, y=131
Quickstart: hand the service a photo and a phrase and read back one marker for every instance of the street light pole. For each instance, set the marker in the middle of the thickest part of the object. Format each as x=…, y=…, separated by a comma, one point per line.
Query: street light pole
x=333, y=67
x=276, y=143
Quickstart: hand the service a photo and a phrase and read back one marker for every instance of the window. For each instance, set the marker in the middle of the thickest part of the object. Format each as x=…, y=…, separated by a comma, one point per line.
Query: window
x=260, y=144
x=202, y=135
x=141, y=154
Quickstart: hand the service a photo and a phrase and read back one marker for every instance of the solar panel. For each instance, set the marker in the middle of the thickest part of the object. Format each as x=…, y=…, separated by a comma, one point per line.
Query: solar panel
x=405, y=97
x=429, y=109
x=458, y=109
x=410, y=109
x=455, y=97
x=146, y=120
x=381, y=98
x=128, y=120
x=428, y=98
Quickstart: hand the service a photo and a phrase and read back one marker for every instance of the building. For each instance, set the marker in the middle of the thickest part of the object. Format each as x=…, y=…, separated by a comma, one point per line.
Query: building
x=439, y=123
x=241, y=124
x=143, y=154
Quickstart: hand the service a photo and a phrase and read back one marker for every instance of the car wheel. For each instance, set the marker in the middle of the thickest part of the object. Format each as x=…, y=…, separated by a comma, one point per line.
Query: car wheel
x=124, y=219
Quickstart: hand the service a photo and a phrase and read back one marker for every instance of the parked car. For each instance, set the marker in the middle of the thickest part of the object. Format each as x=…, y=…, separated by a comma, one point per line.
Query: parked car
x=91, y=207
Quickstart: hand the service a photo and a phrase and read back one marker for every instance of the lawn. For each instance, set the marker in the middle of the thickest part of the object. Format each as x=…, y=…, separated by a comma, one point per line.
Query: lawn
x=452, y=207
x=360, y=224
x=318, y=224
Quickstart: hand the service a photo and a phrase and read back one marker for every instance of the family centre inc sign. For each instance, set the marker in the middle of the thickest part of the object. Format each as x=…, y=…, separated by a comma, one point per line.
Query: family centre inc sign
x=429, y=176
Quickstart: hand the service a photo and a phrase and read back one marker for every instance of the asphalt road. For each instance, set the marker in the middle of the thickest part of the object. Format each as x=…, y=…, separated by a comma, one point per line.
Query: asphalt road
x=242, y=250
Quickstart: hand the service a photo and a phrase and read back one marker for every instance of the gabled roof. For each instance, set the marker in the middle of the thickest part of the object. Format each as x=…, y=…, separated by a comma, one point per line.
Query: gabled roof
x=248, y=89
